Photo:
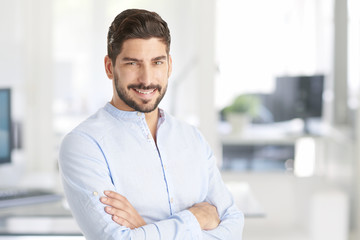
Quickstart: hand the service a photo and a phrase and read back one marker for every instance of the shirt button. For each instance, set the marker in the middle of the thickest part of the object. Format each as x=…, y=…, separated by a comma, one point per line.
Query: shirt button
x=149, y=136
x=139, y=114
x=164, y=167
x=172, y=200
x=95, y=193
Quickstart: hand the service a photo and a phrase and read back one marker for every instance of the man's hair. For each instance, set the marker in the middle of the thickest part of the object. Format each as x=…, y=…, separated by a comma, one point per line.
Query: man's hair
x=136, y=23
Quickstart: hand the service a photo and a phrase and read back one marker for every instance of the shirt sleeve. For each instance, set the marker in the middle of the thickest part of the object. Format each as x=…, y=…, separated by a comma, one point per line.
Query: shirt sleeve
x=231, y=218
x=85, y=175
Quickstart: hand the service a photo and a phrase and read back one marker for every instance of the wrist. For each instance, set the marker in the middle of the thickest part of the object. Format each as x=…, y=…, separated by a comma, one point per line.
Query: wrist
x=193, y=212
x=206, y=215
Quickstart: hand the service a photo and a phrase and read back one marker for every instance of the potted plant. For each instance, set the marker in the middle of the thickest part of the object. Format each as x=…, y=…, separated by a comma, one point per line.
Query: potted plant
x=241, y=111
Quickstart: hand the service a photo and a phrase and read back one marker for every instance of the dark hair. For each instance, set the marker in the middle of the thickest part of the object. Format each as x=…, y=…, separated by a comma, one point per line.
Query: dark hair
x=135, y=23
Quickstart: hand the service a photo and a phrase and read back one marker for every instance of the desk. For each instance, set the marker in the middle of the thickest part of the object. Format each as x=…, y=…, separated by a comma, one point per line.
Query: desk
x=54, y=219
x=46, y=219
x=245, y=200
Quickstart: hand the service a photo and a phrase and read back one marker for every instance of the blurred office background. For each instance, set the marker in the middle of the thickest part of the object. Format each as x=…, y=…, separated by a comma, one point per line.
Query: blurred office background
x=294, y=165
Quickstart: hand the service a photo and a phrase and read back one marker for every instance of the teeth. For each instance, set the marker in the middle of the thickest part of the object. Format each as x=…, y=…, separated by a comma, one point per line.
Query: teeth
x=145, y=92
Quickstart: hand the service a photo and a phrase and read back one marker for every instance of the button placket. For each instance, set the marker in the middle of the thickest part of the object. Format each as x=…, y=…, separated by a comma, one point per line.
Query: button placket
x=168, y=179
x=143, y=125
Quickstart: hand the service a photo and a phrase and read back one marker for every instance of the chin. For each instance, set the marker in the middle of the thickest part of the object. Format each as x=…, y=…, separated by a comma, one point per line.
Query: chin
x=146, y=109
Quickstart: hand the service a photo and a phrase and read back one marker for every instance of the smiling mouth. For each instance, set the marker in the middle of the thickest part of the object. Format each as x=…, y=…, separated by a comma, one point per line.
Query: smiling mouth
x=146, y=92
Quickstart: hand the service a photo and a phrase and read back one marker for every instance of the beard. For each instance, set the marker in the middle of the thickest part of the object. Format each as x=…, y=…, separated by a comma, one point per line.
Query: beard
x=145, y=106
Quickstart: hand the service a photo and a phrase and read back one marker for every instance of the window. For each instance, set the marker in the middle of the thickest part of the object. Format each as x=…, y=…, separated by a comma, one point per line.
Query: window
x=258, y=40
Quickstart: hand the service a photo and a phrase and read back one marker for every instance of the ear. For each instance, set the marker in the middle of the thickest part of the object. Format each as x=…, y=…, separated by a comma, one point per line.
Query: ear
x=109, y=69
x=170, y=66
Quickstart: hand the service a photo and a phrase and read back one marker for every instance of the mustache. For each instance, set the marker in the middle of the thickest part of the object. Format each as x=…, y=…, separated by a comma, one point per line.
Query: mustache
x=143, y=87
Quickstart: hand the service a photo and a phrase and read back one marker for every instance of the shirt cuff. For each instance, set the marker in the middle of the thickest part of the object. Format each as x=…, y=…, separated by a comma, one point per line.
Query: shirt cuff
x=150, y=231
x=182, y=225
x=191, y=222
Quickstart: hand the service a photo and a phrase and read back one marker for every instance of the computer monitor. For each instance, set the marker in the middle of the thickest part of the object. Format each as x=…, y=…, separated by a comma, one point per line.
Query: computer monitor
x=298, y=97
x=5, y=126
x=293, y=97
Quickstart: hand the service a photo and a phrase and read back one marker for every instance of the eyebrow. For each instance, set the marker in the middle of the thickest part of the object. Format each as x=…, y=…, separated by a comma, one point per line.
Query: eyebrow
x=159, y=58
x=129, y=59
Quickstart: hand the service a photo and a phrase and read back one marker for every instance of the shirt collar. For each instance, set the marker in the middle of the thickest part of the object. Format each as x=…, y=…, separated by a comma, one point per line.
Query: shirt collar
x=161, y=117
x=130, y=115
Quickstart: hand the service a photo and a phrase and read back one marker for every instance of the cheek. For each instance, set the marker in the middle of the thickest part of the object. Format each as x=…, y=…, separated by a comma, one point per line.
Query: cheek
x=162, y=75
x=126, y=77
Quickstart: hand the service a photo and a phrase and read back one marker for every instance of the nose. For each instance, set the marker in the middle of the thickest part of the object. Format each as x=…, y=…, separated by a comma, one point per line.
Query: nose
x=145, y=75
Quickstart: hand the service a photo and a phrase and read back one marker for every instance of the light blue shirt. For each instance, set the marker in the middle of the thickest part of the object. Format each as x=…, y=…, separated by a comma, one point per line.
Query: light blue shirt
x=114, y=150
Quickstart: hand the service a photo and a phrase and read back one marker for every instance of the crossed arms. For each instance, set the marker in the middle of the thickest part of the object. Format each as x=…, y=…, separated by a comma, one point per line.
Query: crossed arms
x=125, y=214
x=84, y=172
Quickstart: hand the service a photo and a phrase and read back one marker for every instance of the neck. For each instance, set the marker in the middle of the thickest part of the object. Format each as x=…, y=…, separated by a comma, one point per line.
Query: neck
x=150, y=117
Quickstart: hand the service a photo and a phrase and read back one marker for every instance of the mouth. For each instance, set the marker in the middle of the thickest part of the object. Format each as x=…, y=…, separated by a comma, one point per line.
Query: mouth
x=145, y=92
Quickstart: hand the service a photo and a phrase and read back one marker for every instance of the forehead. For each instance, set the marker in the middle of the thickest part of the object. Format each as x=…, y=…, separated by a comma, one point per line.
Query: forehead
x=143, y=48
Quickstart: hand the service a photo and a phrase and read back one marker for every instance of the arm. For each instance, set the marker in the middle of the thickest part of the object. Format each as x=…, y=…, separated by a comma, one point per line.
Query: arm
x=125, y=214
x=206, y=214
x=219, y=202
x=232, y=220
x=86, y=175
x=121, y=210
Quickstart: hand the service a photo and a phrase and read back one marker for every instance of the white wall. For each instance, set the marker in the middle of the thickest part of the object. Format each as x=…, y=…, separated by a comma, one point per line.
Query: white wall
x=28, y=63
x=26, y=67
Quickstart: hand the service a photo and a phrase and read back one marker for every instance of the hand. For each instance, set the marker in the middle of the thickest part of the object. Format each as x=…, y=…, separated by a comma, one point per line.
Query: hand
x=121, y=210
x=206, y=214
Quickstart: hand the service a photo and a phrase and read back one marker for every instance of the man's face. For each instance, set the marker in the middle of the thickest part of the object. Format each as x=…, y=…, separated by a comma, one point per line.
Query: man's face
x=140, y=75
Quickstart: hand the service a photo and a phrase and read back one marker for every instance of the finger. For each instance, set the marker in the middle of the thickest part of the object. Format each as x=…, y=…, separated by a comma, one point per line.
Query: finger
x=115, y=195
x=117, y=212
x=118, y=208
x=123, y=222
x=133, y=219
x=115, y=203
x=122, y=208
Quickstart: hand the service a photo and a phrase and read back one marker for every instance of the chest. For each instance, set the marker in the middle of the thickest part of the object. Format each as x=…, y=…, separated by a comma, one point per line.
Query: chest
x=158, y=180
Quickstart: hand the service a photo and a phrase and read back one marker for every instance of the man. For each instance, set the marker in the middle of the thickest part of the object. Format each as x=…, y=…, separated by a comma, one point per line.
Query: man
x=131, y=171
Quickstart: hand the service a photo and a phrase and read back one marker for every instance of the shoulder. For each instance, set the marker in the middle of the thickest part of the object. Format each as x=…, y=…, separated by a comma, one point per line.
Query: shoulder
x=93, y=128
x=86, y=138
x=181, y=127
x=186, y=136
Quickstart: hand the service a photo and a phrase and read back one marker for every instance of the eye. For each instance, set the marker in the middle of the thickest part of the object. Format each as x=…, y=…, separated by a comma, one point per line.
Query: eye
x=131, y=63
x=158, y=62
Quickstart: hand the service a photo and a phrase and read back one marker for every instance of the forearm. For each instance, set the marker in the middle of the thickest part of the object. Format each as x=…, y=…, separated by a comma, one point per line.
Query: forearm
x=229, y=229
x=96, y=224
x=182, y=226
